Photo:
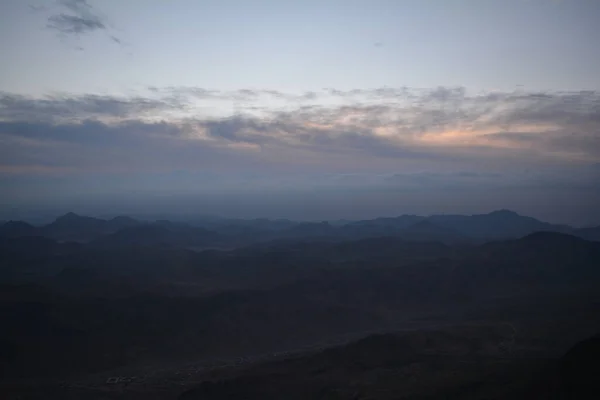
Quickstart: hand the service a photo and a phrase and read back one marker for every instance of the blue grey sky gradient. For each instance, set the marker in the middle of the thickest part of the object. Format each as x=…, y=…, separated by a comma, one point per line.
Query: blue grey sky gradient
x=308, y=45
x=360, y=108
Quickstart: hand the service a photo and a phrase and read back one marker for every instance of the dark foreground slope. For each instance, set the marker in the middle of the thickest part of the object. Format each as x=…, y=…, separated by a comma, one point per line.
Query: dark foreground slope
x=74, y=314
x=456, y=363
x=579, y=369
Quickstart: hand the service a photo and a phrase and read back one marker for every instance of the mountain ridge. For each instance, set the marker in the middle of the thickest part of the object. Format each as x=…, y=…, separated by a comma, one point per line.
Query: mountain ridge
x=447, y=228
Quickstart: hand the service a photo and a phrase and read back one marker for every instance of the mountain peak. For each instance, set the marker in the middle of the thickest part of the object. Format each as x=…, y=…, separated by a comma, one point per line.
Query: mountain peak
x=72, y=218
x=17, y=228
x=123, y=219
x=504, y=212
x=13, y=223
x=69, y=216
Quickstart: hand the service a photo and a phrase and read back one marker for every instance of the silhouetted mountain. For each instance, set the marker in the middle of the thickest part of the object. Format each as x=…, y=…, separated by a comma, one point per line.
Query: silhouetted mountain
x=311, y=230
x=18, y=228
x=121, y=222
x=497, y=224
x=502, y=224
x=400, y=222
x=158, y=234
x=426, y=230
x=544, y=245
x=422, y=230
x=143, y=235
x=396, y=249
x=592, y=233
x=379, y=227
x=79, y=228
x=75, y=227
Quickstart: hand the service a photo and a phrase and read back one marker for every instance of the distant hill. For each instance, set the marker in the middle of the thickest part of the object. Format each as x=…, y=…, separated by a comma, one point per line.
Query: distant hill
x=400, y=222
x=592, y=233
x=448, y=229
x=308, y=229
x=426, y=230
x=378, y=227
x=72, y=224
x=17, y=229
x=542, y=259
x=501, y=224
x=81, y=228
x=121, y=222
x=158, y=234
x=142, y=235
x=543, y=244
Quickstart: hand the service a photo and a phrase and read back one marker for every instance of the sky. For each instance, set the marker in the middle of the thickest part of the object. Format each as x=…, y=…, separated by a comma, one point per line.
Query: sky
x=300, y=109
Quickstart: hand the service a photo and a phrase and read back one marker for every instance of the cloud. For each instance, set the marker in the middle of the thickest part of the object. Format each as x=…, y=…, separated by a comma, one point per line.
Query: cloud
x=386, y=129
x=95, y=147
x=72, y=24
x=60, y=107
x=240, y=95
x=77, y=18
x=376, y=152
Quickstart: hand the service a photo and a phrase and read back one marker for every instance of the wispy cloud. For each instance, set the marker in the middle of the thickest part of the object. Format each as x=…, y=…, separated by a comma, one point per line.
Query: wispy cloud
x=72, y=24
x=75, y=18
x=63, y=107
x=384, y=130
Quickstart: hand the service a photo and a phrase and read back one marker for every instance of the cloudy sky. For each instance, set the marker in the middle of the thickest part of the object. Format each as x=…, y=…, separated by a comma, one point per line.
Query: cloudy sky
x=301, y=109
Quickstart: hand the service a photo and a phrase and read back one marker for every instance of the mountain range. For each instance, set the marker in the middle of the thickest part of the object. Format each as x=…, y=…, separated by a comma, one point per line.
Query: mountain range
x=451, y=229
